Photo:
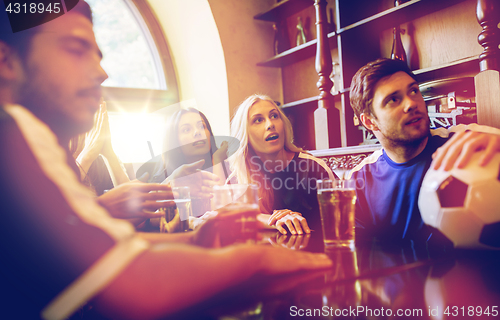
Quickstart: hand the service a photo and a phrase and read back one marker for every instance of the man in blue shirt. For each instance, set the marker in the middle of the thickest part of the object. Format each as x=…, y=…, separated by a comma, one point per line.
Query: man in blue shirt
x=385, y=96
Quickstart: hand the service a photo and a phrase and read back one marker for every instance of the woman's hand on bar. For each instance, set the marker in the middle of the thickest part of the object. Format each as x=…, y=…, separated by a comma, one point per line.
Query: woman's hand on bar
x=294, y=221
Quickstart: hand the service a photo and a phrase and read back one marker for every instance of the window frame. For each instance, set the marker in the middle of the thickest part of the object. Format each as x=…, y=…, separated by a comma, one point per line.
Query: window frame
x=120, y=99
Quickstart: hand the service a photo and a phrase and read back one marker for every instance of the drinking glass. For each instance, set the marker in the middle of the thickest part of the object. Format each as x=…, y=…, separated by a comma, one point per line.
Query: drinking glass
x=200, y=205
x=176, y=218
x=237, y=206
x=337, y=200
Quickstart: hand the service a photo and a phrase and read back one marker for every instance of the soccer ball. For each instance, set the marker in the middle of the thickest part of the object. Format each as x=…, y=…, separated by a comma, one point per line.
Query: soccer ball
x=464, y=204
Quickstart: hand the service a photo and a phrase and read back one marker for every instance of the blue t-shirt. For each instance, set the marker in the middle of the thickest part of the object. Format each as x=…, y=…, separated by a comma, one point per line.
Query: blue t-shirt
x=387, y=196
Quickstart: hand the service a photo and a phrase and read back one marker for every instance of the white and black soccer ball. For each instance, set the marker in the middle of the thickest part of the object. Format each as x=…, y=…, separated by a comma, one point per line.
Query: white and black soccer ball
x=464, y=204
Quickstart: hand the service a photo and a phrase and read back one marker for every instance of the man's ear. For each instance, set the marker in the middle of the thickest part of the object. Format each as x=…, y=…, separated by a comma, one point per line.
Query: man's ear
x=9, y=63
x=368, y=121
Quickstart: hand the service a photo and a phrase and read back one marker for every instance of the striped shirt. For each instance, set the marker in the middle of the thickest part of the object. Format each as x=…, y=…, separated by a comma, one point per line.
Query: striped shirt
x=60, y=248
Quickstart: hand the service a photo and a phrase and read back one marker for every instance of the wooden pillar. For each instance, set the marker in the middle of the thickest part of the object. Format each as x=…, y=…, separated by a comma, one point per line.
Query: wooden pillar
x=324, y=84
x=487, y=82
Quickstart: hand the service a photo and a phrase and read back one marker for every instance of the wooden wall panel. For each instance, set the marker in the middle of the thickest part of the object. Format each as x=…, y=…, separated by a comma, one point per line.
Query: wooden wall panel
x=439, y=38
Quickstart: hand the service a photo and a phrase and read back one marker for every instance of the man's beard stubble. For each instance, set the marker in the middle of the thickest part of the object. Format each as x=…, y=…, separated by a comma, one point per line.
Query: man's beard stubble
x=410, y=143
x=47, y=108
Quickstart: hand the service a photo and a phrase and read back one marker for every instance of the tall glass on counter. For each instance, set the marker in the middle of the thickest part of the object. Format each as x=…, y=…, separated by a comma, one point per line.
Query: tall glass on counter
x=237, y=206
x=337, y=200
x=176, y=218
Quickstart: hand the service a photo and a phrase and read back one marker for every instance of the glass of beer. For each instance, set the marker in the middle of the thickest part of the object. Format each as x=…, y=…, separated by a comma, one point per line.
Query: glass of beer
x=237, y=206
x=176, y=218
x=337, y=200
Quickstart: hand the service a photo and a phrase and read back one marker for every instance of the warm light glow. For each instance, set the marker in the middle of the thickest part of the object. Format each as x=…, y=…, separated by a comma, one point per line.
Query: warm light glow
x=130, y=133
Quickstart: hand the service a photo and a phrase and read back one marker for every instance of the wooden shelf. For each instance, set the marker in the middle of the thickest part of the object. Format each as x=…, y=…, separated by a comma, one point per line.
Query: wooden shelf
x=405, y=12
x=296, y=54
x=460, y=67
x=283, y=9
x=305, y=101
x=359, y=26
x=465, y=66
x=300, y=102
x=468, y=65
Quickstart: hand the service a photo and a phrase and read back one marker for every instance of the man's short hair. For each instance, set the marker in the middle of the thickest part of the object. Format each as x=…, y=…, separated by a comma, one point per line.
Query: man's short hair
x=20, y=41
x=366, y=78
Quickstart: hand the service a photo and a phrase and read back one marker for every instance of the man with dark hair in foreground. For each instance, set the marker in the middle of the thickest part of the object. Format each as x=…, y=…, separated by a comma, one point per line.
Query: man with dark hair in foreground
x=386, y=98
x=60, y=248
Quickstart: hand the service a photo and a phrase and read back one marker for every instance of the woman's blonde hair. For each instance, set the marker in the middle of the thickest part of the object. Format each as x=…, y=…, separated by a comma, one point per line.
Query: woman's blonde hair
x=241, y=166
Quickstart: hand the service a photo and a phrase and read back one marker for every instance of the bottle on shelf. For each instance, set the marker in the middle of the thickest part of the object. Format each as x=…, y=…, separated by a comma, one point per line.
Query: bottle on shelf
x=301, y=36
x=276, y=41
x=398, y=51
x=281, y=42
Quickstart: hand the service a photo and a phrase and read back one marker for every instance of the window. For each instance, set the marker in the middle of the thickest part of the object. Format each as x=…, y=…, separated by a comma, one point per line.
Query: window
x=131, y=132
x=131, y=58
x=141, y=77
